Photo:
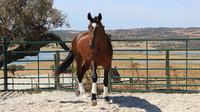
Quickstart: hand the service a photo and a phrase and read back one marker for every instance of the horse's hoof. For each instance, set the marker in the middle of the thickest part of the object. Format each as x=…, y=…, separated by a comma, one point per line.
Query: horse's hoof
x=84, y=95
x=94, y=102
x=78, y=93
x=107, y=100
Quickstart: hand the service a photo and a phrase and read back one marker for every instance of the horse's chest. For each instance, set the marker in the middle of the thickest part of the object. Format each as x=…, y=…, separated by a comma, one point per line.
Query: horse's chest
x=91, y=54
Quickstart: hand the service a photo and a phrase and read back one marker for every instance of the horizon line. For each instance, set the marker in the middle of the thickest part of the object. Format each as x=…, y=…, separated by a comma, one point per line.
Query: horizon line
x=131, y=28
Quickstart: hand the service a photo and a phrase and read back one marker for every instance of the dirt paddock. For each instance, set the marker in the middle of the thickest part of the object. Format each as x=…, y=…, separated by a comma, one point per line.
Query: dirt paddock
x=61, y=101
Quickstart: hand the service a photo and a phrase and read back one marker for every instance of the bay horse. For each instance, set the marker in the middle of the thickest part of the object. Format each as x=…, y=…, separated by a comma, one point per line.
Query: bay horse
x=91, y=49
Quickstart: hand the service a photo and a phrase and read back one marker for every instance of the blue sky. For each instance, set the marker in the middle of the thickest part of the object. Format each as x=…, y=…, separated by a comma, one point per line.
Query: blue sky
x=122, y=14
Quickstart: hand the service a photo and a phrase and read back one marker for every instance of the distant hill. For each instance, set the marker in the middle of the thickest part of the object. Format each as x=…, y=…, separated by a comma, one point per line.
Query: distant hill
x=140, y=33
x=146, y=33
x=66, y=34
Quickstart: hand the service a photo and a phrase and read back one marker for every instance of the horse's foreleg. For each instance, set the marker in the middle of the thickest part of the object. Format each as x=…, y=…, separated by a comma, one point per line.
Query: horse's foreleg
x=84, y=68
x=105, y=81
x=94, y=86
x=80, y=86
x=80, y=78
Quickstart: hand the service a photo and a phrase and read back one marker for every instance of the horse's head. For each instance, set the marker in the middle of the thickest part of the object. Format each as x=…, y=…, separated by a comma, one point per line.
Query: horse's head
x=95, y=23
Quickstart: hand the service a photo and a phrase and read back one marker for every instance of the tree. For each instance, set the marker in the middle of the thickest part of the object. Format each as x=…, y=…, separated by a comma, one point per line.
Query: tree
x=28, y=20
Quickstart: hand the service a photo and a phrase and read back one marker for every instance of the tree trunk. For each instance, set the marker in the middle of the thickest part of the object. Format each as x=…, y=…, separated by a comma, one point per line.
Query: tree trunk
x=11, y=56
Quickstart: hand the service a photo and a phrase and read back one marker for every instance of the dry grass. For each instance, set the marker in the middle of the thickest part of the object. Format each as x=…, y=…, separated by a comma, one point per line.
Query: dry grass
x=129, y=64
x=123, y=64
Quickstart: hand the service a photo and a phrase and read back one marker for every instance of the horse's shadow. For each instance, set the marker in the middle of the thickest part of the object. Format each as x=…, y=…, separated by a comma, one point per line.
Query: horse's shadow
x=129, y=101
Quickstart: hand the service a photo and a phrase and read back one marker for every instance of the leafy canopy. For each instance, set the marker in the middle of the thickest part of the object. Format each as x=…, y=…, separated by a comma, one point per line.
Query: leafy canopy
x=28, y=19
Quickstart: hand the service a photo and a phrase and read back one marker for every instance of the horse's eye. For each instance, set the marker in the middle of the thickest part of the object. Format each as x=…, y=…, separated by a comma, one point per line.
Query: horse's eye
x=89, y=27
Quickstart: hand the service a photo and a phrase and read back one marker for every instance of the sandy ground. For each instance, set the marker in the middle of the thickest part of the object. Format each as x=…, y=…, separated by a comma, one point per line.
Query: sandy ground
x=61, y=101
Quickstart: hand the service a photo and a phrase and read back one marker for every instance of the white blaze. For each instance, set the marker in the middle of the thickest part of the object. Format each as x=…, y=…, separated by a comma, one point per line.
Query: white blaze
x=94, y=25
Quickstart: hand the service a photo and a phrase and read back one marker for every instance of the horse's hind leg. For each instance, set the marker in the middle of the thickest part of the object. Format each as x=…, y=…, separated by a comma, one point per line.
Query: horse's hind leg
x=94, y=88
x=105, y=81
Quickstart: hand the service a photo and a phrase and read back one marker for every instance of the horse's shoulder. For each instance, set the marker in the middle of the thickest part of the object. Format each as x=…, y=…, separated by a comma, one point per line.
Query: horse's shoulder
x=79, y=36
x=82, y=35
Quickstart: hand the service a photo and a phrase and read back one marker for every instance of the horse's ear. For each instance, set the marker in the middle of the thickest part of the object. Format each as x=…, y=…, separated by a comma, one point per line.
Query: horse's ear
x=100, y=17
x=89, y=17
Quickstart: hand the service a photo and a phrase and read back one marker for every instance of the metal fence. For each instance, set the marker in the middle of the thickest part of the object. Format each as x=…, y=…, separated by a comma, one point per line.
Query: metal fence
x=161, y=65
x=38, y=71
x=139, y=65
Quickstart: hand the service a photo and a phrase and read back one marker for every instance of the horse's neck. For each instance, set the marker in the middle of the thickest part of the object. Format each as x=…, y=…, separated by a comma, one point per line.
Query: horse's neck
x=102, y=40
x=101, y=34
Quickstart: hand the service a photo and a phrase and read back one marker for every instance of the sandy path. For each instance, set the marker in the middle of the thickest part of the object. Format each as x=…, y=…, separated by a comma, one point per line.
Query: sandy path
x=60, y=101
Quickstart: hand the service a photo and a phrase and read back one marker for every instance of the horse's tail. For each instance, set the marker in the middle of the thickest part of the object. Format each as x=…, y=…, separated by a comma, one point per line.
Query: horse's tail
x=65, y=64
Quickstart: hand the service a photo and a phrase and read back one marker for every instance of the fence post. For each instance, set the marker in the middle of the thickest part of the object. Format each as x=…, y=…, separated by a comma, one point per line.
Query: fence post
x=186, y=64
x=5, y=70
x=57, y=62
x=72, y=71
x=109, y=81
x=147, y=66
x=38, y=70
x=167, y=70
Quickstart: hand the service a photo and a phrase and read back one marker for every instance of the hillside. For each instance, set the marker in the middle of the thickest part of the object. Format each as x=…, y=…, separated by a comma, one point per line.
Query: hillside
x=146, y=33
x=140, y=33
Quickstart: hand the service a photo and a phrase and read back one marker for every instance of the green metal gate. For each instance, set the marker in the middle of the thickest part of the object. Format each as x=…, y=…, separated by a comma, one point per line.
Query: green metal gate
x=178, y=71
x=143, y=65
x=35, y=77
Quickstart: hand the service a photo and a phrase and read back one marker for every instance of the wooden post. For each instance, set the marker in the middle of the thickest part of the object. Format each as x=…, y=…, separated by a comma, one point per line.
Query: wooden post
x=13, y=85
x=167, y=70
x=147, y=66
x=57, y=62
x=5, y=70
x=72, y=72
x=31, y=83
x=49, y=81
x=109, y=81
x=38, y=71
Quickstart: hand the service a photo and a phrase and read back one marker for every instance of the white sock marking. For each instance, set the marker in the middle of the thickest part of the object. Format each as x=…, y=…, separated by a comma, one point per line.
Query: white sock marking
x=81, y=88
x=94, y=88
x=105, y=91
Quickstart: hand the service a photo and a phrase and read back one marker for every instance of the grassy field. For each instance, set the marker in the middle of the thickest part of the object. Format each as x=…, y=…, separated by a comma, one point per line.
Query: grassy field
x=126, y=64
x=132, y=62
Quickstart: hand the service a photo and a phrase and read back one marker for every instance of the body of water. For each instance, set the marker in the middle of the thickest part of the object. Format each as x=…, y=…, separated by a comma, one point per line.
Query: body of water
x=50, y=56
